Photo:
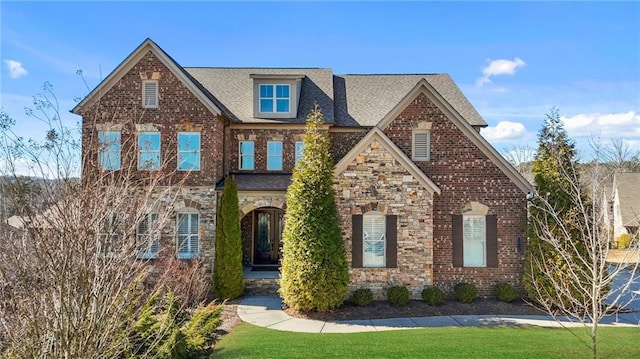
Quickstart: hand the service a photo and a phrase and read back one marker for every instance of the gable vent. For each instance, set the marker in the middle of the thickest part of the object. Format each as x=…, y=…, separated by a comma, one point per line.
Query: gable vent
x=150, y=94
x=421, y=146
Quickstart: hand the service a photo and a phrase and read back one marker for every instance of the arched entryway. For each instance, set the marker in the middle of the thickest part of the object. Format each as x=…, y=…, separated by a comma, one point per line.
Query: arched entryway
x=262, y=236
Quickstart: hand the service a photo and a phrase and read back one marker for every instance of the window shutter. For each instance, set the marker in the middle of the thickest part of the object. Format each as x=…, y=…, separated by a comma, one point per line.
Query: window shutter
x=392, y=241
x=492, y=241
x=150, y=94
x=356, y=241
x=458, y=237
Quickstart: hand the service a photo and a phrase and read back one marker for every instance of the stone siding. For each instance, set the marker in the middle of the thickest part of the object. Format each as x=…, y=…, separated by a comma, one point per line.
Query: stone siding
x=376, y=181
x=190, y=199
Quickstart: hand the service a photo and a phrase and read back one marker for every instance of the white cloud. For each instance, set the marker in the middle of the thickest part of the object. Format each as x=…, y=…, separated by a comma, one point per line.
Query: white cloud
x=603, y=125
x=499, y=67
x=504, y=131
x=15, y=68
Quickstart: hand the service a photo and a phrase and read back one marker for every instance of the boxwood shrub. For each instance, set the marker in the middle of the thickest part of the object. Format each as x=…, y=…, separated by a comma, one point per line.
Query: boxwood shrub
x=362, y=297
x=505, y=292
x=433, y=295
x=465, y=292
x=398, y=296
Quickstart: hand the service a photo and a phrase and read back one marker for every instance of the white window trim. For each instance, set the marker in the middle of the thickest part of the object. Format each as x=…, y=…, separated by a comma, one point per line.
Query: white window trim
x=153, y=237
x=270, y=155
x=295, y=149
x=109, y=237
x=274, y=98
x=199, y=151
x=295, y=85
x=241, y=156
x=141, y=150
x=107, y=150
x=374, y=215
x=190, y=254
x=467, y=242
x=414, y=151
x=155, y=98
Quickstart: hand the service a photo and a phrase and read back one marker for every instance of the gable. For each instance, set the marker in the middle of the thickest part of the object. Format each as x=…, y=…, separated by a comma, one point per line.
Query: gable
x=376, y=138
x=423, y=88
x=148, y=47
x=363, y=100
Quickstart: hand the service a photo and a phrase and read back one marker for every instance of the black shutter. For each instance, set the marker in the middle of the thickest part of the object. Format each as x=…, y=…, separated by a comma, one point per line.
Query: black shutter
x=492, y=241
x=356, y=241
x=392, y=241
x=458, y=236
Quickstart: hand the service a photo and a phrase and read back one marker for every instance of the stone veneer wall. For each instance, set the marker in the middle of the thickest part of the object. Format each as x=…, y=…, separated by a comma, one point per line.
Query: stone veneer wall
x=188, y=199
x=376, y=181
x=249, y=201
x=464, y=174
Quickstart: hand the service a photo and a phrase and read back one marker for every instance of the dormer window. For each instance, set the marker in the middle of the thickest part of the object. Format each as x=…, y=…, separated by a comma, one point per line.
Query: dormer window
x=276, y=96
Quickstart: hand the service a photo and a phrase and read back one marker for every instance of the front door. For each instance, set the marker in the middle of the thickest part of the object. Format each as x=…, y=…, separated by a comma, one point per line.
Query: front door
x=268, y=233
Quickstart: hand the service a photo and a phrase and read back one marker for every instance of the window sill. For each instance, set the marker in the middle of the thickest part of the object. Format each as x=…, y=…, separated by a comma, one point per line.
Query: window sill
x=187, y=256
x=147, y=256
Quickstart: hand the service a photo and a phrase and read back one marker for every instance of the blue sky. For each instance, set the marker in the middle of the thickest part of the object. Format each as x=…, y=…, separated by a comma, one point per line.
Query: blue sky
x=513, y=60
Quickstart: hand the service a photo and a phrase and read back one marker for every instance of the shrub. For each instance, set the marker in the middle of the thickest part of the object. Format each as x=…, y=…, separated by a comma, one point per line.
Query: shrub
x=465, y=292
x=166, y=329
x=362, y=297
x=314, y=272
x=398, y=296
x=228, y=280
x=433, y=295
x=505, y=292
x=623, y=241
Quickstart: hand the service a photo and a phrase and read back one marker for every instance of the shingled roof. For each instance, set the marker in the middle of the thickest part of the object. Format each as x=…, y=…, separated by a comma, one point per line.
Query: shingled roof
x=366, y=99
x=628, y=186
x=234, y=88
x=345, y=100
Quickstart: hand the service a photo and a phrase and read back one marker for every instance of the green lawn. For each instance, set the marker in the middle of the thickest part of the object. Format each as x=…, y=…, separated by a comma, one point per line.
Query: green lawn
x=248, y=341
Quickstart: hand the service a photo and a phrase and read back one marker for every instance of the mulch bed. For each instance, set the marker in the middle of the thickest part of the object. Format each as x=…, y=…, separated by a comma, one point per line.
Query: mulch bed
x=417, y=308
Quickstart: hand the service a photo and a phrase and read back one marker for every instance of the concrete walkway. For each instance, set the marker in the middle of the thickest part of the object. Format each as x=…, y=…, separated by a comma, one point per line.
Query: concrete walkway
x=267, y=312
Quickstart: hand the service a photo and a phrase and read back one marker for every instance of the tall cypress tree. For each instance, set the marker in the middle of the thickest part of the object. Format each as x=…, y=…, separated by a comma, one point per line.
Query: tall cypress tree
x=227, y=268
x=554, y=212
x=314, y=267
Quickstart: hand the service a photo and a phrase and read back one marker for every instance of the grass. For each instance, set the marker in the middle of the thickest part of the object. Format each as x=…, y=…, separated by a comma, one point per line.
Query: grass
x=248, y=341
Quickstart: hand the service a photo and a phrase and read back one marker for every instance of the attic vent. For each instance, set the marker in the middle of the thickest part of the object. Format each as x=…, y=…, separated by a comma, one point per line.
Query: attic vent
x=150, y=94
x=421, y=145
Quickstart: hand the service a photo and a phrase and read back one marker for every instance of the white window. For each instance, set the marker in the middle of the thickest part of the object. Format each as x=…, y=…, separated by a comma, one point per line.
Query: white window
x=474, y=231
x=188, y=151
x=373, y=239
x=276, y=95
x=149, y=151
x=247, y=155
x=109, y=234
x=150, y=94
x=420, y=145
x=188, y=235
x=275, y=98
x=274, y=156
x=109, y=148
x=299, y=148
x=147, y=237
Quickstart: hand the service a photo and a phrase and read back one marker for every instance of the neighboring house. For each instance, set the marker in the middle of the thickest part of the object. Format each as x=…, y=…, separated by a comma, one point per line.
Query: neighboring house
x=423, y=198
x=625, y=203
